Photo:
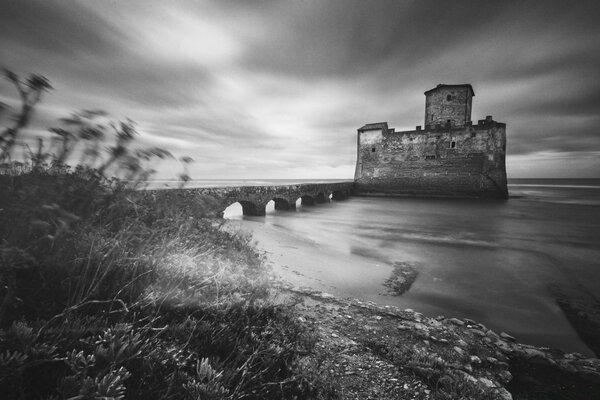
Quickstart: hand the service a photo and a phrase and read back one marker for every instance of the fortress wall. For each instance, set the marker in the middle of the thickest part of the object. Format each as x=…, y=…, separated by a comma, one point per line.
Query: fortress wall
x=425, y=163
x=457, y=110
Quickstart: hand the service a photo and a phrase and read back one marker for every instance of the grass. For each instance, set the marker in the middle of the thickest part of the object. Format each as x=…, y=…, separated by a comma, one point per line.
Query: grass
x=108, y=296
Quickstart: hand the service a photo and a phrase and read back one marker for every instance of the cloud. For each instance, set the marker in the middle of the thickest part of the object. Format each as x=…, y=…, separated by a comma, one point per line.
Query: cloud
x=278, y=89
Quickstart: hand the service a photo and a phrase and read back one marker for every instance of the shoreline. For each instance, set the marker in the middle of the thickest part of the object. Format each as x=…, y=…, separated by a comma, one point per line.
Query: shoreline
x=284, y=252
x=386, y=352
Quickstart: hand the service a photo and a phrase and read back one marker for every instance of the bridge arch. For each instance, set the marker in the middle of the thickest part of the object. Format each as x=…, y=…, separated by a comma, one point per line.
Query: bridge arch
x=283, y=204
x=321, y=198
x=338, y=195
x=251, y=209
x=307, y=200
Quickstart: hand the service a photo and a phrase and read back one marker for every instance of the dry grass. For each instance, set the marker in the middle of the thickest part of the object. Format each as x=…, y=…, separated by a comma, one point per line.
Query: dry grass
x=107, y=297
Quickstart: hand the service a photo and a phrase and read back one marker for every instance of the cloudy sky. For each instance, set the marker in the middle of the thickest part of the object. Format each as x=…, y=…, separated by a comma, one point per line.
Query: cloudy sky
x=277, y=89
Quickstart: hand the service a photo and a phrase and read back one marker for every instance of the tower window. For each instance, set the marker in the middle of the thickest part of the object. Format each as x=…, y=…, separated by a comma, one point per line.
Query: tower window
x=449, y=97
x=452, y=144
x=373, y=150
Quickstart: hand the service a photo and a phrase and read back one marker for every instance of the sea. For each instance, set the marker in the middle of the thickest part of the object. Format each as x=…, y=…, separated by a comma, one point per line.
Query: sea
x=500, y=263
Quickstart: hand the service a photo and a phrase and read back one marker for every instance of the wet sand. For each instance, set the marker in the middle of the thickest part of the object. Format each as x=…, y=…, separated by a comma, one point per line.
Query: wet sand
x=489, y=262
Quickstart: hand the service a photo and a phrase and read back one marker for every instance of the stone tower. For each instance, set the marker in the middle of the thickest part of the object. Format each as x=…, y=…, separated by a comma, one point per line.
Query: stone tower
x=451, y=157
x=448, y=105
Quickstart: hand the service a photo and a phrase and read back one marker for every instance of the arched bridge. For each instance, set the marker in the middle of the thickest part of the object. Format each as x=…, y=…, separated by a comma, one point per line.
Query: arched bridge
x=254, y=199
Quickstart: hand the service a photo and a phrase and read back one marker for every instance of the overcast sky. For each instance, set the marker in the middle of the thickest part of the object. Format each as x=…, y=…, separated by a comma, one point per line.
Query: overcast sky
x=277, y=89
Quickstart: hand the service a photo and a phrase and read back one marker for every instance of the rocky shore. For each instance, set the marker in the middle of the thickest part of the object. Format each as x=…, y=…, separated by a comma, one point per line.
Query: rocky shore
x=376, y=352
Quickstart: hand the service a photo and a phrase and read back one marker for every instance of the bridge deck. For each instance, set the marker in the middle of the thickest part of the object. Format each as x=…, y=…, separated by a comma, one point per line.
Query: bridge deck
x=252, y=198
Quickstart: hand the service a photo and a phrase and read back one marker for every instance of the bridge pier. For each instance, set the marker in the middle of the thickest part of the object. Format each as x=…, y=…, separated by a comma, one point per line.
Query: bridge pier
x=321, y=198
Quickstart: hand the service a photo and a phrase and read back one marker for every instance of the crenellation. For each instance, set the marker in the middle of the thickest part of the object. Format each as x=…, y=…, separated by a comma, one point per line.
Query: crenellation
x=454, y=158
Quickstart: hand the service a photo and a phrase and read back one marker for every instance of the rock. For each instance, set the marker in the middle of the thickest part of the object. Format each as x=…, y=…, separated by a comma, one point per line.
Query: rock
x=537, y=357
x=475, y=360
x=487, y=382
x=503, y=394
x=504, y=346
x=505, y=376
x=435, y=323
x=456, y=321
x=421, y=327
x=459, y=350
x=508, y=337
x=478, y=332
x=491, y=334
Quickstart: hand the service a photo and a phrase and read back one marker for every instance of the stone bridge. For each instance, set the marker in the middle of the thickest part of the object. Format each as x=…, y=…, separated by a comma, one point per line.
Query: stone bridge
x=254, y=199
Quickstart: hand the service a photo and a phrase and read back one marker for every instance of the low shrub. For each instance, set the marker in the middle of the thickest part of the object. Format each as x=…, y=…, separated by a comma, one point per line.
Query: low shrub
x=105, y=296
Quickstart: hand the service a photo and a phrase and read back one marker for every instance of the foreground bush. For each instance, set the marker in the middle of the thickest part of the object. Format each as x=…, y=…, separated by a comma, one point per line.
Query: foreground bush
x=106, y=296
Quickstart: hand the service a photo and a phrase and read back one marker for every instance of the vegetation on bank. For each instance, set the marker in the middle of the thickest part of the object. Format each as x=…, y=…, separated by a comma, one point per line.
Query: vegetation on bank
x=104, y=295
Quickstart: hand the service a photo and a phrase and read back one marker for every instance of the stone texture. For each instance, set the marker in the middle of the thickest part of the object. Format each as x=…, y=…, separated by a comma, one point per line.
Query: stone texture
x=455, y=160
x=213, y=201
x=448, y=104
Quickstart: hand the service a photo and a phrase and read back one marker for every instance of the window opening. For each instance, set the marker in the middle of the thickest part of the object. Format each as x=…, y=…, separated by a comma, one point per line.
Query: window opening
x=430, y=157
x=453, y=144
x=373, y=150
x=449, y=97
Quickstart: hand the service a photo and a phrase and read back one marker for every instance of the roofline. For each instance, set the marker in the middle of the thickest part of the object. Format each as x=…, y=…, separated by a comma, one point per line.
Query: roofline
x=443, y=85
x=362, y=129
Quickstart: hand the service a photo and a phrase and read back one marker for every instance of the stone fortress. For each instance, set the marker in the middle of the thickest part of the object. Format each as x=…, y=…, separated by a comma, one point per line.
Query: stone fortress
x=450, y=157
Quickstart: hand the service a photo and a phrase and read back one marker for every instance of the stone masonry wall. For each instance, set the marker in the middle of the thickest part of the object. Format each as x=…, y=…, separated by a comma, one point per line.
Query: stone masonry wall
x=214, y=200
x=438, y=109
x=457, y=162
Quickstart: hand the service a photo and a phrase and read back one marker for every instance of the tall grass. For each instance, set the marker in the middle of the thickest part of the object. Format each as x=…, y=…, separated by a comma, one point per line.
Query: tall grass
x=106, y=295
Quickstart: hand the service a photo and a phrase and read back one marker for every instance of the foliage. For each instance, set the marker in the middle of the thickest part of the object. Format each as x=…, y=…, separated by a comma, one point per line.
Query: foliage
x=109, y=295
x=119, y=299
x=30, y=91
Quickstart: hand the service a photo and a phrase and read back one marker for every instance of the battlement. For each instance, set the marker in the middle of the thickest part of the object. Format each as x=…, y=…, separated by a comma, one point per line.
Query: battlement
x=451, y=156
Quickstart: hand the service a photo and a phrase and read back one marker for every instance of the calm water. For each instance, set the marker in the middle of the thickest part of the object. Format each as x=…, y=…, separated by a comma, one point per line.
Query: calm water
x=492, y=261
